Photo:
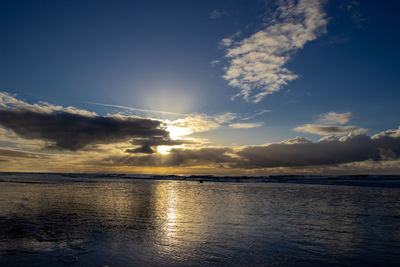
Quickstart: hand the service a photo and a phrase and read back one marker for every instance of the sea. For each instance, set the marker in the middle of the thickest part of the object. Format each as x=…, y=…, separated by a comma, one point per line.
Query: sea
x=144, y=220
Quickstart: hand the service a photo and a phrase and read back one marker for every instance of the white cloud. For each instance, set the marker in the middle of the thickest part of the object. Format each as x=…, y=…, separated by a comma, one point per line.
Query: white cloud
x=328, y=138
x=226, y=117
x=9, y=102
x=296, y=140
x=256, y=63
x=189, y=125
x=333, y=118
x=388, y=133
x=226, y=42
x=246, y=125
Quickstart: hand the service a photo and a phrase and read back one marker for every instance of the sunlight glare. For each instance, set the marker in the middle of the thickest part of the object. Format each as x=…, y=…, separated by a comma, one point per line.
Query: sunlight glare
x=163, y=149
x=177, y=132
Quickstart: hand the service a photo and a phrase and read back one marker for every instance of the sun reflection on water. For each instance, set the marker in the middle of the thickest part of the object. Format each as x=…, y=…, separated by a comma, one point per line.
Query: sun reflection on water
x=167, y=201
x=171, y=212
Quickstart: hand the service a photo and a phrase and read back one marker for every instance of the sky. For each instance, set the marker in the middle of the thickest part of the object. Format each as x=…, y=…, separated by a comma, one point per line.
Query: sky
x=200, y=87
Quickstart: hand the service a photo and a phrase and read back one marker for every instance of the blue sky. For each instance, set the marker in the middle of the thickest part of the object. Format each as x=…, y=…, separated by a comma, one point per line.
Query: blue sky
x=339, y=58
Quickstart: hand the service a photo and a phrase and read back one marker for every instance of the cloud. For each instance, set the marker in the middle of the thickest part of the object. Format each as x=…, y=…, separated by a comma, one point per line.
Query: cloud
x=21, y=154
x=387, y=134
x=296, y=140
x=256, y=64
x=127, y=141
x=246, y=125
x=226, y=42
x=326, y=129
x=297, y=152
x=70, y=128
x=215, y=13
x=141, y=150
x=159, y=141
x=191, y=124
x=326, y=125
x=226, y=117
x=333, y=118
x=351, y=148
x=147, y=145
x=177, y=157
x=308, y=153
x=203, y=123
x=9, y=102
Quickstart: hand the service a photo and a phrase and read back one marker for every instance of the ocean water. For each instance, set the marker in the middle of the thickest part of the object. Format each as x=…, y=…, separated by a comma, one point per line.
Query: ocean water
x=55, y=220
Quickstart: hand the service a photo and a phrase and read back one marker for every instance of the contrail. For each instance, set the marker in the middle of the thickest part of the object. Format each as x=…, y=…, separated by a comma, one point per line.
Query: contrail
x=138, y=109
x=255, y=115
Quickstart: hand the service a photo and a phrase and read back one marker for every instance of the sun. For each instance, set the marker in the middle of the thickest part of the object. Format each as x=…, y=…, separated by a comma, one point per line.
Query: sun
x=163, y=149
x=177, y=129
x=176, y=132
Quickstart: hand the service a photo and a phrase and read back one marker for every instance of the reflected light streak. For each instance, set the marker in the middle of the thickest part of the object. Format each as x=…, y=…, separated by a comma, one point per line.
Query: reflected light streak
x=171, y=213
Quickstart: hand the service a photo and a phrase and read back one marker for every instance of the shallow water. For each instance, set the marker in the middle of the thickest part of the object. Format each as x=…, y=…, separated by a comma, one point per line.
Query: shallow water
x=124, y=222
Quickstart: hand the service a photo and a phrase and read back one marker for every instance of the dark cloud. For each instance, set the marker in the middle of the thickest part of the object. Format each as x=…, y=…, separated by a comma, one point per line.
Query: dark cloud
x=355, y=148
x=71, y=131
x=326, y=129
x=291, y=153
x=327, y=151
x=160, y=141
x=147, y=145
x=141, y=150
x=204, y=156
x=176, y=157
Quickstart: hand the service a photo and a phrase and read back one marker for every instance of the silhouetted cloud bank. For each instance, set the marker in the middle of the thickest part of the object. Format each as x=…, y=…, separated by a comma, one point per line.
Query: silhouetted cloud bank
x=296, y=152
x=70, y=128
x=73, y=131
